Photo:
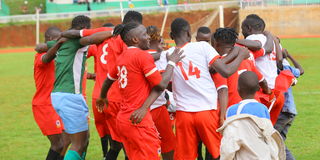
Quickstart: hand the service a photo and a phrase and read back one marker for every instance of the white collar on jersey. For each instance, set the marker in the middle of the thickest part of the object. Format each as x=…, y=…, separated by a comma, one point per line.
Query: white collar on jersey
x=132, y=47
x=248, y=100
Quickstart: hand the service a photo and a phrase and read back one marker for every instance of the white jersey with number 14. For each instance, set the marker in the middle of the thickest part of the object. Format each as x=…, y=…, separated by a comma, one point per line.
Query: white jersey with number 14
x=192, y=85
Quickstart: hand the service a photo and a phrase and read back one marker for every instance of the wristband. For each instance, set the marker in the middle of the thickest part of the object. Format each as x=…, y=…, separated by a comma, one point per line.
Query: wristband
x=171, y=63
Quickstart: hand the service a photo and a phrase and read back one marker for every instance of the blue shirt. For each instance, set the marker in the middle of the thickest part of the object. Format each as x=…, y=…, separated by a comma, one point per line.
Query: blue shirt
x=249, y=106
x=289, y=105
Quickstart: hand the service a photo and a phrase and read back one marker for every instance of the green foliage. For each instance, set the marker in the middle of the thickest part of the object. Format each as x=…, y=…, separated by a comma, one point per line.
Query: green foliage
x=21, y=137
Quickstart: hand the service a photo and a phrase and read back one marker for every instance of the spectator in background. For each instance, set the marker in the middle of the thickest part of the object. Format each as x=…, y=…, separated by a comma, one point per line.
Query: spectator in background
x=24, y=7
x=130, y=4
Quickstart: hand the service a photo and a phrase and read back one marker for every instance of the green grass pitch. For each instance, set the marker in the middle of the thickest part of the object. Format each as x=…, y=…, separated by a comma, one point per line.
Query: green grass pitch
x=20, y=137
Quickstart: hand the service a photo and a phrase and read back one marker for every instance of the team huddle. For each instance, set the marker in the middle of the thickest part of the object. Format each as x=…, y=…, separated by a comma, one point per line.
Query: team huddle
x=233, y=95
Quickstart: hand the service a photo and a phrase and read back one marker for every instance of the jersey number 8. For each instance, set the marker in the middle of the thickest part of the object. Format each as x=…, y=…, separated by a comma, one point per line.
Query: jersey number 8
x=123, y=80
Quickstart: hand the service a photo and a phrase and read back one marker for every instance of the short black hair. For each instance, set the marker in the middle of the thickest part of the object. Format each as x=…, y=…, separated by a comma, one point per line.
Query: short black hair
x=52, y=32
x=108, y=25
x=248, y=82
x=178, y=26
x=124, y=29
x=132, y=16
x=204, y=30
x=225, y=35
x=255, y=22
x=81, y=22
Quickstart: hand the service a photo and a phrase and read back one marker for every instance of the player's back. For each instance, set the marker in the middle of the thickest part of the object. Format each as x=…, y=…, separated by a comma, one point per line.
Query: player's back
x=43, y=74
x=233, y=95
x=115, y=48
x=99, y=52
x=135, y=70
x=266, y=64
x=70, y=66
x=192, y=84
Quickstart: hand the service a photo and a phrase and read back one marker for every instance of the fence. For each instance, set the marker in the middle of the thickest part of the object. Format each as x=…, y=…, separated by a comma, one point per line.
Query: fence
x=268, y=3
x=116, y=12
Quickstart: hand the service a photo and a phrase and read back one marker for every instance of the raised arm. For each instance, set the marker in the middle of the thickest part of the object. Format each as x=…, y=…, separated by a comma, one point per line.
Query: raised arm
x=227, y=70
x=268, y=46
x=295, y=63
x=51, y=53
x=72, y=33
x=156, y=91
x=250, y=44
x=96, y=38
x=41, y=47
x=279, y=55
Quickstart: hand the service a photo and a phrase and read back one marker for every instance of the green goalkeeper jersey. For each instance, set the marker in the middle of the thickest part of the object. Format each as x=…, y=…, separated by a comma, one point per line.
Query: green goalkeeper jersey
x=70, y=67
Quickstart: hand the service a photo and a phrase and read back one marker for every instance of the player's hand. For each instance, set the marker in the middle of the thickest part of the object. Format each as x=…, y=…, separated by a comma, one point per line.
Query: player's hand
x=221, y=120
x=176, y=56
x=268, y=91
x=100, y=103
x=91, y=76
x=137, y=116
x=244, y=52
x=62, y=40
x=267, y=33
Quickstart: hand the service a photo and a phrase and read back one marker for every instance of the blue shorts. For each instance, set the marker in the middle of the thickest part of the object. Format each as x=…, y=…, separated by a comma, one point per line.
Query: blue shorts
x=73, y=110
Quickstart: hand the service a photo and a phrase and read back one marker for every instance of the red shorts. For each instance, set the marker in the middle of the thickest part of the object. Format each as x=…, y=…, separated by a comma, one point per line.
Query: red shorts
x=277, y=107
x=162, y=121
x=100, y=120
x=140, y=142
x=191, y=127
x=47, y=119
x=111, y=113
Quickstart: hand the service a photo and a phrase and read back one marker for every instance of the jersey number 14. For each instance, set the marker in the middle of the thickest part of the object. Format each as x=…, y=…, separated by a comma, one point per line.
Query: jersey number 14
x=193, y=71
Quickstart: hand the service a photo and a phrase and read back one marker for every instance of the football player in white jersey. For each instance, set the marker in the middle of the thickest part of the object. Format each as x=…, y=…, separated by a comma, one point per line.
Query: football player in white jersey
x=194, y=91
x=252, y=29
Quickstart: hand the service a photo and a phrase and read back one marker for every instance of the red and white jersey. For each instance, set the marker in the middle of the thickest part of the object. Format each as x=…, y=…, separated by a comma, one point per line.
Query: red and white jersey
x=193, y=87
x=137, y=75
x=99, y=52
x=267, y=63
x=43, y=74
x=116, y=47
x=160, y=64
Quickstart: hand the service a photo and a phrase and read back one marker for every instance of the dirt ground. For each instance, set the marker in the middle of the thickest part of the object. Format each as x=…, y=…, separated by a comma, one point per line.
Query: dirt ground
x=24, y=35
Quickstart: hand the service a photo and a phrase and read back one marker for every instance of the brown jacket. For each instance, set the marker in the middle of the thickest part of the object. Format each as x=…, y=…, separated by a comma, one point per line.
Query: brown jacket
x=247, y=137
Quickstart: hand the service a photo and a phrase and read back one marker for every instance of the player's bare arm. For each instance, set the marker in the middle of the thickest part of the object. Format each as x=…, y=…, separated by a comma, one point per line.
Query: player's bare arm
x=227, y=70
x=51, y=54
x=252, y=45
x=156, y=56
x=103, y=94
x=223, y=102
x=156, y=91
x=91, y=76
x=72, y=33
x=279, y=56
x=268, y=46
x=227, y=59
x=295, y=63
x=96, y=38
x=41, y=47
x=264, y=86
